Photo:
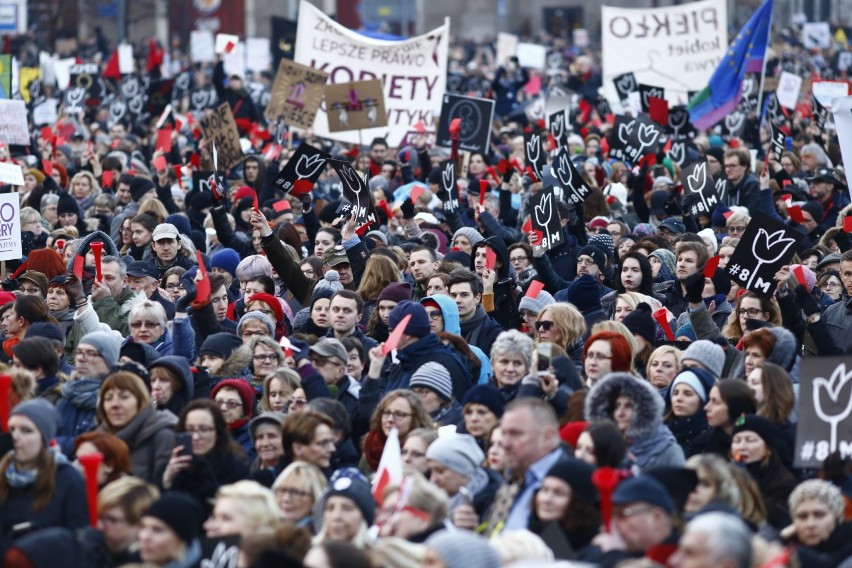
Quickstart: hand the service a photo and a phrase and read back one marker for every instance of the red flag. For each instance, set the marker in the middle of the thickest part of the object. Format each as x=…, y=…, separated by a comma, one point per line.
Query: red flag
x=155, y=55
x=390, y=465
x=112, y=69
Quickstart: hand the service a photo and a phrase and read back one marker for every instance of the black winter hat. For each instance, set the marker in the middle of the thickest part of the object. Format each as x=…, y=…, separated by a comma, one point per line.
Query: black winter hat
x=757, y=424
x=597, y=253
x=67, y=204
x=488, y=396
x=220, y=345
x=578, y=475
x=641, y=323
x=181, y=513
x=721, y=281
x=140, y=186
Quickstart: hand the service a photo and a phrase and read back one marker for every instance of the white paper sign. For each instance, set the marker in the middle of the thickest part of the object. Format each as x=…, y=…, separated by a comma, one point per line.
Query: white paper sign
x=125, y=59
x=258, y=57
x=816, y=35
x=203, y=46
x=507, y=46
x=234, y=63
x=13, y=122
x=414, y=72
x=11, y=174
x=10, y=226
x=674, y=47
x=62, y=71
x=45, y=113
x=841, y=108
x=788, y=89
x=531, y=55
x=580, y=37
x=226, y=42
x=827, y=91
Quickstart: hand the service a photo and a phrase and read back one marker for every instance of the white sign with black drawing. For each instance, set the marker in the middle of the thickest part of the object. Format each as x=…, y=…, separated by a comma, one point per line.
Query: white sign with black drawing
x=545, y=218
x=825, y=405
x=766, y=246
x=699, y=183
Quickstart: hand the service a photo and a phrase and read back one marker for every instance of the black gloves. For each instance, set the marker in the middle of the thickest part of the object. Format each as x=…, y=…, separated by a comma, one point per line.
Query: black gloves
x=806, y=301
x=694, y=287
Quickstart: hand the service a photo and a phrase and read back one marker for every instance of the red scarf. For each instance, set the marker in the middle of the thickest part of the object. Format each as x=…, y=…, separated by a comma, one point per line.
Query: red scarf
x=9, y=344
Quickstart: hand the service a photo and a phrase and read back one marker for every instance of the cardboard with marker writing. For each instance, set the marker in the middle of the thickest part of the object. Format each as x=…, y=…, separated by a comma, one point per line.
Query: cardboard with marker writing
x=766, y=246
x=296, y=94
x=356, y=105
x=475, y=125
x=698, y=182
x=356, y=192
x=307, y=163
x=220, y=129
x=545, y=218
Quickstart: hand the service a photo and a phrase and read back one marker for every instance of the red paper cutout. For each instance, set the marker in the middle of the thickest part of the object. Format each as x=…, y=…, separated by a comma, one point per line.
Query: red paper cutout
x=535, y=287
x=301, y=186
x=395, y=336
x=847, y=223
x=658, y=109
x=527, y=226
x=78, y=267
x=490, y=258
x=455, y=128
x=106, y=178
x=795, y=213
x=164, y=140
x=160, y=163
x=202, y=287
x=416, y=192
x=711, y=266
x=799, y=273
x=420, y=127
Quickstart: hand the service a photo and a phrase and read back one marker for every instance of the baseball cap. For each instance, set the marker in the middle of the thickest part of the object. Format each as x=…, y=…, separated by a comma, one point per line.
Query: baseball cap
x=335, y=255
x=674, y=225
x=140, y=268
x=165, y=231
x=330, y=348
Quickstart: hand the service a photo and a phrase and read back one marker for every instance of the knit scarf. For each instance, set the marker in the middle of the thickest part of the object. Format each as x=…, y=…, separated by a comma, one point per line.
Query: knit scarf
x=473, y=324
x=20, y=479
x=82, y=393
x=646, y=448
x=45, y=384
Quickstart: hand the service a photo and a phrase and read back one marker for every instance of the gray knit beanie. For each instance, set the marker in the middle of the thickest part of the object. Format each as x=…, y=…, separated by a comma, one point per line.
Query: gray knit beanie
x=330, y=282
x=471, y=234
x=258, y=316
x=536, y=305
x=43, y=414
x=434, y=377
x=463, y=549
x=707, y=354
x=106, y=343
x=458, y=452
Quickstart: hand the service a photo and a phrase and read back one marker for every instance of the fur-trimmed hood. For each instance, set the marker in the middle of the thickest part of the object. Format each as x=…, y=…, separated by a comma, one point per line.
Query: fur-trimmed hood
x=647, y=403
x=238, y=364
x=109, y=247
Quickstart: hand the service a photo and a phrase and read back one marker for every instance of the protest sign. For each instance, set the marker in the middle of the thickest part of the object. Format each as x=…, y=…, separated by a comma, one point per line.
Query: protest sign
x=534, y=153
x=475, y=127
x=507, y=46
x=820, y=113
x=824, y=405
x=625, y=84
x=698, y=182
x=5, y=76
x=734, y=125
x=448, y=184
x=827, y=91
x=307, y=163
x=296, y=94
x=788, y=89
x=354, y=106
x=644, y=138
x=45, y=112
x=816, y=35
x=258, y=54
x=675, y=47
x=766, y=246
x=545, y=218
x=574, y=187
x=776, y=141
x=531, y=55
x=159, y=96
x=557, y=123
x=202, y=99
x=202, y=46
x=220, y=129
x=679, y=126
x=10, y=226
x=841, y=109
x=11, y=173
x=356, y=192
x=201, y=180
x=648, y=92
x=283, y=40
x=13, y=122
x=413, y=71
x=618, y=137
x=221, y=552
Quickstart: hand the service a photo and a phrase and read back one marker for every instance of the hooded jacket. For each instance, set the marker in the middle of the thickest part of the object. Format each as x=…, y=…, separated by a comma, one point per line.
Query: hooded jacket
x=150, y=437
x=450, y=313
x=180, y=369
x=649, y=441
x=427, y=348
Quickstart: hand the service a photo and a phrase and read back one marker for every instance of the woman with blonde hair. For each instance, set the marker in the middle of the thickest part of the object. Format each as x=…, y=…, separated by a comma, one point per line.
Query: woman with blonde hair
x=277, y=389
x=663, y=365
x=84, y=188
x=379, y=272
x=716, y=483
x=155, y=208
x=241, y=508
x=296, y=490
x=562, y=324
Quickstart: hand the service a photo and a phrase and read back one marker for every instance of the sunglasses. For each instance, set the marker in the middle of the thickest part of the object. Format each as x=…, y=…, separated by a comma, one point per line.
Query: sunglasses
x=543, y=325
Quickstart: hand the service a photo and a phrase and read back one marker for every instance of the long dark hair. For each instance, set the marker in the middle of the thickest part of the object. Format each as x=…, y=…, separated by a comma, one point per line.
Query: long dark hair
x=45, y=483
x=610, y=447
x=224, y=442
x=647, y=286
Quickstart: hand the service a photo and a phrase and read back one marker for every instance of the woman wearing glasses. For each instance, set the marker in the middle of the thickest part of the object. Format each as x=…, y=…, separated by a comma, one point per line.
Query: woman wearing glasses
x=266, y=358
x=296, y=490
x=235, y=398
x=147, y=321
x=171, y=283
x=400, y=409
x=750, y=306
x=125, y=410
x=308, y=436
x=214, y=458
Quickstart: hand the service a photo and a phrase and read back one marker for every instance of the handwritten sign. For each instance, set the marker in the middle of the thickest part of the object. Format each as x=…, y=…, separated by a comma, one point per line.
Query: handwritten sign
x=13, y=122
x=220, y=129
x=296, y=94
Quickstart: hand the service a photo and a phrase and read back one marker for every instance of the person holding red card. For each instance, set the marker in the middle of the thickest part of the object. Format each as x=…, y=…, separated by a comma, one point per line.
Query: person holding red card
x=490, y=260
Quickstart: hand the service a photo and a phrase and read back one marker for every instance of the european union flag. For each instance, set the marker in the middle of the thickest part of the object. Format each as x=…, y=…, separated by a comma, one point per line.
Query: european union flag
x=745, y=55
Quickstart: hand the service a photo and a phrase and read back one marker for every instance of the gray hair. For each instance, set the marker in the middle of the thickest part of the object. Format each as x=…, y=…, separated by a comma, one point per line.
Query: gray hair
x=727, y=537
x=30, y=215
x=49, y=199
x=817, y=152
x=513, y=342
x=818, y=490
x=122, y=268
x=149, y=308
x=254, y=265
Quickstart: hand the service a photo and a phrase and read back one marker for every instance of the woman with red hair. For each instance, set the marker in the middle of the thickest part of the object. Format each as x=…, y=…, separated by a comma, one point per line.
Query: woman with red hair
x=47, y=261
x=606, y=352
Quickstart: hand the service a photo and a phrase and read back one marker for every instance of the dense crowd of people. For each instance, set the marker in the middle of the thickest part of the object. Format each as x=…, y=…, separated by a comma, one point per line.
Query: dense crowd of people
x=257, y=399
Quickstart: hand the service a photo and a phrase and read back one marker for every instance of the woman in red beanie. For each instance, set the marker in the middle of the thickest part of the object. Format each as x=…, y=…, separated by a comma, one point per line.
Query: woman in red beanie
x=235, y=398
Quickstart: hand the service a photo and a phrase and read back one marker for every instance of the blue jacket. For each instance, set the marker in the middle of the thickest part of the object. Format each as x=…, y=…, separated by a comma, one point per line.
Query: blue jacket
x=450, y=312
x=76, y=411
x=427, y=348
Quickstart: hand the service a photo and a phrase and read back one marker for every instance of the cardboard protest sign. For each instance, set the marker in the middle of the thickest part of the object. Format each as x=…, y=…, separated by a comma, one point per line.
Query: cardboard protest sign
x=776, y=141
x=816, y=35
x=356, y=192
x=13, y=122
x=220, y=129
x=824, y=405
x=766, y=246
x=534, y=153
x=545, y=218
x=296, y=94
x=558, y=125
x=10, y=226
x=475, y=127
x=307, y=163
x=826, y=91
x=788, y=89
x=413, y=71
x=353, y=106
x=448, y=184
x=674, y=47
x=644, y=138
x=648, y=92
x=574, y=187
x=696, y=180
x=625, y=84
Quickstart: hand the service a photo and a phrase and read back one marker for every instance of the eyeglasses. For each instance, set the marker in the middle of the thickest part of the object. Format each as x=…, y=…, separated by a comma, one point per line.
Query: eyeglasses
x=201, y=430
x=87, y=354
x=750, y=312
x=831, y=285
x=291, y=493
x=736, y=230
x=434, y=315
x=232, y=404
x=147, y=324
x=528, y=315
x=396, y=414
x=30, y=290
x=265, y=357
x=632, y=511
x=173, y=286
x=543, y=325
x=518, y=258
x=593, y=356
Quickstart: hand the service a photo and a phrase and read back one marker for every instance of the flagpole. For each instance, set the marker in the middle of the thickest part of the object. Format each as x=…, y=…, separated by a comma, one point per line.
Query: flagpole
x=763, y=64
